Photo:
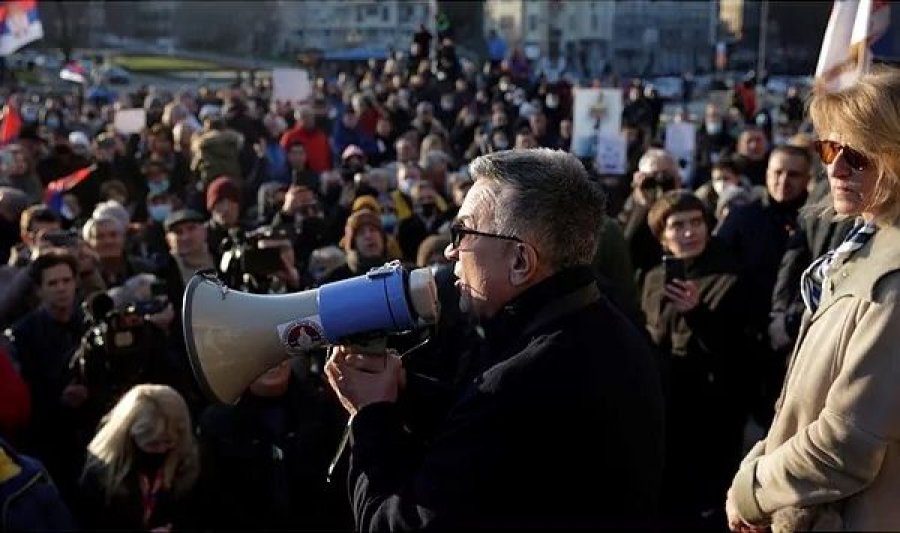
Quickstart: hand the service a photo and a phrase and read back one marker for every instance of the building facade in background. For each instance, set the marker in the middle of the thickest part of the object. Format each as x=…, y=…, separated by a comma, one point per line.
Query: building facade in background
x=332, y=25
x=581, y=31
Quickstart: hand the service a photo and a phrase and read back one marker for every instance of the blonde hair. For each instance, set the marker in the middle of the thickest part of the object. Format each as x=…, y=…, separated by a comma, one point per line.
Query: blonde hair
x=145, y=411
x=867, y=115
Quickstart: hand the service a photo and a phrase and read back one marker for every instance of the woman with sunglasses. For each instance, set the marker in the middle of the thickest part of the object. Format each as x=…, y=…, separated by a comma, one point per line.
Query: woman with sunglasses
x=831, y=459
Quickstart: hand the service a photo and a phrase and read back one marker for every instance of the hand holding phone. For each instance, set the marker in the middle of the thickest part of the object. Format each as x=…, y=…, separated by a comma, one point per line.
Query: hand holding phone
x=674, y=268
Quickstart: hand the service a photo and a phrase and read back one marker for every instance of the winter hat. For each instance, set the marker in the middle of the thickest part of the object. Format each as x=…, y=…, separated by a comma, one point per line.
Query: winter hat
x=368, y=202
x=357, y=220
x=220, y=188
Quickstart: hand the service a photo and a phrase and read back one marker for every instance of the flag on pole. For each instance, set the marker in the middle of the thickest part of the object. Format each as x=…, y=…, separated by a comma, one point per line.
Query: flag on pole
x=19, y=25
x=56, y=189
x=11, y=124
x=846, y=53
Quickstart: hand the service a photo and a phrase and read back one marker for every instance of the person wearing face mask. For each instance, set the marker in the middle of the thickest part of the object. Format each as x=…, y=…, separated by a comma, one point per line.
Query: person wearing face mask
x=156, y=182
x=152, y=243
x=725, y=175
x=302, y=211
x=695, y=319
x=142, y=465
x=426, y=221
x=713, y=139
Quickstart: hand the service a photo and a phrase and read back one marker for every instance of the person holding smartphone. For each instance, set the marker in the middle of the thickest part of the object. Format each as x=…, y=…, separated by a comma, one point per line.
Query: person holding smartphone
x=693, y=303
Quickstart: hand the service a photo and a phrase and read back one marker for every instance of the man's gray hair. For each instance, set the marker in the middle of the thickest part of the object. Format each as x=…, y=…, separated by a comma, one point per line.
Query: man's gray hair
x=546, y=198
x=87, y=232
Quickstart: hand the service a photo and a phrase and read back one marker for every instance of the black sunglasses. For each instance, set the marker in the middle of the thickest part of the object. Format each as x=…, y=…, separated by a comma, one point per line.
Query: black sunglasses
x=458, y=231
x=829, y=150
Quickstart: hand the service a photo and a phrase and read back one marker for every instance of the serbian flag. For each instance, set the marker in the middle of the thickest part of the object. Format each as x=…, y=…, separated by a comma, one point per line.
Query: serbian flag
x=11, y=124
x=53, y=196
x=74, y=71
x=854, y=26
x=19, y=25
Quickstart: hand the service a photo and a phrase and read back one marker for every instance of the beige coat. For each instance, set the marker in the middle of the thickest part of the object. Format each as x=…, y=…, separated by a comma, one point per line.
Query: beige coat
x=832, y=456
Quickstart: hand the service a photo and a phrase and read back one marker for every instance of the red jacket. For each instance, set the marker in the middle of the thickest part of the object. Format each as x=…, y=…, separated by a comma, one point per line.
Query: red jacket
x=15, y=400
x=318, y=152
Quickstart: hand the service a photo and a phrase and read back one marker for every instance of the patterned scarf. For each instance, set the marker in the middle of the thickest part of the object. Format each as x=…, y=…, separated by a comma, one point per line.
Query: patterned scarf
x=813, y=277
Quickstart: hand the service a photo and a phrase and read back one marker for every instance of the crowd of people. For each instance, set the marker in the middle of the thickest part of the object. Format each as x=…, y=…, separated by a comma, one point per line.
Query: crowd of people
x=577, y=307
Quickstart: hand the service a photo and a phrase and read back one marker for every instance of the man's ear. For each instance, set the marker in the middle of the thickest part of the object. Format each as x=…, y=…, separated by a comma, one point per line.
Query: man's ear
x=524, y=264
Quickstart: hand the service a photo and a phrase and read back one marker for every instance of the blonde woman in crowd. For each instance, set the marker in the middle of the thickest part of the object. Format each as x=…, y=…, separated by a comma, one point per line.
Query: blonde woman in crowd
x=141, y=465
x=831, y=459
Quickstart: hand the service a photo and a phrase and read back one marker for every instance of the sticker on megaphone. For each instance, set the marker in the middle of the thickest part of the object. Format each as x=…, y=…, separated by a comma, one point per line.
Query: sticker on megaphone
x=300, y=336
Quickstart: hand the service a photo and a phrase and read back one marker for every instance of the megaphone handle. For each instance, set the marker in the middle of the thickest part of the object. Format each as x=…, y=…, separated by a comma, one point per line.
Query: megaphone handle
x=345, y=438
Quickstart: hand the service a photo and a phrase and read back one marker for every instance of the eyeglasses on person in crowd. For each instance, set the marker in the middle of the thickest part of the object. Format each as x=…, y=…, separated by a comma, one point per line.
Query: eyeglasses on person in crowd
x=458, y=231
x=829, y=150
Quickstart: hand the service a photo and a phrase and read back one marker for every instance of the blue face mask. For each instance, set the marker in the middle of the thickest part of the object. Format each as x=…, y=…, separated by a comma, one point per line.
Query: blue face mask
x=159, y=212
x=158, y=187
x=389, y=222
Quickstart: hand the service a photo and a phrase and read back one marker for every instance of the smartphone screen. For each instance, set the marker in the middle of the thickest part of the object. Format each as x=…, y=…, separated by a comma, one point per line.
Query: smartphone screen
x=674, y=268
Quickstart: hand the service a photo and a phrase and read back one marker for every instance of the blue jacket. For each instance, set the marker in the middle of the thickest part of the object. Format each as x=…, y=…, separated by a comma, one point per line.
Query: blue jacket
x=28, y=499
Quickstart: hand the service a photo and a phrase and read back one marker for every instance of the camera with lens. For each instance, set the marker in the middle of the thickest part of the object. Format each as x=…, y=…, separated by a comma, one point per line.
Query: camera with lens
x=117, y=350
x=251, y=259
x=658, y=180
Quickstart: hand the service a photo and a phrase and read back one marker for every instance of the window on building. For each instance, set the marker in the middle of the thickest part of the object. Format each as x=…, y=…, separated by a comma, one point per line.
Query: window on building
x=594, y=21
x=532, y=22
x=359, y=14
x=385, y=14
x=507, y=22
x=372, y=10
x=406, y=13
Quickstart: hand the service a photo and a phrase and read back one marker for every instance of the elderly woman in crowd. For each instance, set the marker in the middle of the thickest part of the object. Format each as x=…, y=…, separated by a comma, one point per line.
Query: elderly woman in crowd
x=831, y=459
x=142, y=464
x=694, y=317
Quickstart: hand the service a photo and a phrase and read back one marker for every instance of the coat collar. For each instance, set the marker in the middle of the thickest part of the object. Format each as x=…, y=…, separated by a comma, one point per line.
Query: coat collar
x=858, y=276
x=529, y=310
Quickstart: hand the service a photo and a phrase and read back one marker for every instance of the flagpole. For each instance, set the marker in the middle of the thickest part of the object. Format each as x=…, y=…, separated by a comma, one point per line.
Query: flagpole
x=763, y=33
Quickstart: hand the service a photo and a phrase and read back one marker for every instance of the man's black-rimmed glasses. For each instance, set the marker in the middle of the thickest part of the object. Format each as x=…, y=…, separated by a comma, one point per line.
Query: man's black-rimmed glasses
x=458, y=231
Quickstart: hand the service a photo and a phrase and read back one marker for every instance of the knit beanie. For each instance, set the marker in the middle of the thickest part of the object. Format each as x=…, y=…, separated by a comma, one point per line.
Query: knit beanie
x=356, y=221
x=222, y=187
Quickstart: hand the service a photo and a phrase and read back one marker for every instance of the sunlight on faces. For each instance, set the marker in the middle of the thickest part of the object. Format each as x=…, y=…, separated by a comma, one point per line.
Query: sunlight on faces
x=786, y=177
x=108, y=240
x=851, y=190
x=482, y=263
x=685, y=234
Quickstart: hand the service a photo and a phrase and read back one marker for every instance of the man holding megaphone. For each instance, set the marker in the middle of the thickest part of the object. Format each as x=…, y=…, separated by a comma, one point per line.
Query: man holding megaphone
x=561, y=421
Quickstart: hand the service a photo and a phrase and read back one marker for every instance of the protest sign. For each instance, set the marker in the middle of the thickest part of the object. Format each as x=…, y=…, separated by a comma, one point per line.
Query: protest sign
x=128, y=121
x=290, y=85
x=595, y=112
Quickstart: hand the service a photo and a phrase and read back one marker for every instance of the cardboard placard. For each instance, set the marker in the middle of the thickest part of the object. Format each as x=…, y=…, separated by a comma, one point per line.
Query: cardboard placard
x=596, y=112
x=681, y=142
x=291, y=85
x=612, y=154
x=128, y=121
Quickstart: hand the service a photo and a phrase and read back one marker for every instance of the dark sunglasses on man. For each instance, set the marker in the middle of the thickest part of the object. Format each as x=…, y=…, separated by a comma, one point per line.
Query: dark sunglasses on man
x=458, y=231
x=829, y=150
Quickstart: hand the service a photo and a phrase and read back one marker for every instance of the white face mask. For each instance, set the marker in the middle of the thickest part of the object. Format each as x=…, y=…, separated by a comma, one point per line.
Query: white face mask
x=718, y=186
x=713, y=127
